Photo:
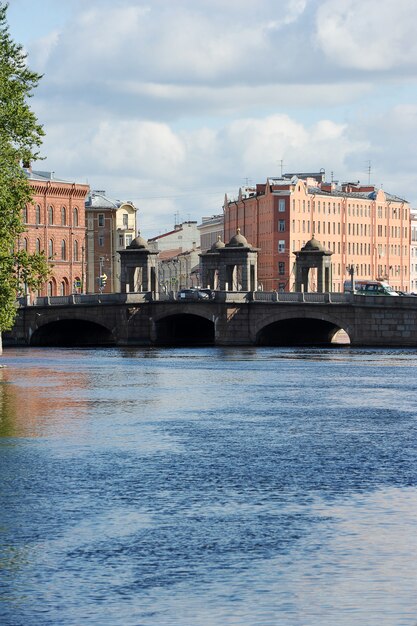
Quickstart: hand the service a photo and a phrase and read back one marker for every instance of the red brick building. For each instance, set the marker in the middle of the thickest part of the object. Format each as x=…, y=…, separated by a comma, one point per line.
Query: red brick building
x=55, y=224
x=361, y=225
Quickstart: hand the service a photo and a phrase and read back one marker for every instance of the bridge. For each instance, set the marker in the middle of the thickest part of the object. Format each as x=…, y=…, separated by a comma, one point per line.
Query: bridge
x=229, y=319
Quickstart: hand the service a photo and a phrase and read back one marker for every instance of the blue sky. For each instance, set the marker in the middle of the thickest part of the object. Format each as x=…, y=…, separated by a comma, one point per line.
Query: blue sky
x=172, y=104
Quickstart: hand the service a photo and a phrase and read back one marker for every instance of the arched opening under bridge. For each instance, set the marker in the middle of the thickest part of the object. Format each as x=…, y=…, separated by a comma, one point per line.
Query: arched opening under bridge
x=185, y=330
x=302, y=332
x=66, y=333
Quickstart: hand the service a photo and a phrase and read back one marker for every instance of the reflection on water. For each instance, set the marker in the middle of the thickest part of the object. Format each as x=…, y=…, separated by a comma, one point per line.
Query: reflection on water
x=244, y=487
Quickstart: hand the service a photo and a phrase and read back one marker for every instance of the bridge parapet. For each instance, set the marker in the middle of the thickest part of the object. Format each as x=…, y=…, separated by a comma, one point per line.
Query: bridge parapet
x=91, y=299
x=308, y=297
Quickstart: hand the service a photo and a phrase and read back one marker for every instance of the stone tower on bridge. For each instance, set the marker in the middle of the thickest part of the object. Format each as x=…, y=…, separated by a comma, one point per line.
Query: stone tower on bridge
x=138, y=268
x=231, y=266
x=313, y=256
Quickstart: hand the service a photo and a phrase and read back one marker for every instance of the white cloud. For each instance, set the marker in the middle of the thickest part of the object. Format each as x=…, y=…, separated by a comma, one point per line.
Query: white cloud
x=368, y=34
x=173, y=104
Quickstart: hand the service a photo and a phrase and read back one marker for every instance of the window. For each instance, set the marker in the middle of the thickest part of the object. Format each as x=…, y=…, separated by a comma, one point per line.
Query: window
x=37, y=214
x=281, y=287
x=101, y=219
x=38, y=246
x=25, y=215
x=281, y=268
x=50, y=248
x=281, y=245
x=75, y=216
x=281, y=226
x=63, y=216
x=281, y=205
x=121, y=241
x=128, y=240
x=125, y=220
x=25, y=244
x=75, y=250
x=50, y=215
x=63, y=250
x=101, y=240
x=62, y=289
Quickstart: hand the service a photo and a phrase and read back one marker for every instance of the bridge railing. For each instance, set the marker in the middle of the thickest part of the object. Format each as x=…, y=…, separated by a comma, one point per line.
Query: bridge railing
x=92, y=298
x=285, y=296
x=218, y=296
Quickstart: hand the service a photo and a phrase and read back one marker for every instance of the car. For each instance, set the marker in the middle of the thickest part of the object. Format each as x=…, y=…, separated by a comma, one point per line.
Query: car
x=192, y=294
x=209, y=292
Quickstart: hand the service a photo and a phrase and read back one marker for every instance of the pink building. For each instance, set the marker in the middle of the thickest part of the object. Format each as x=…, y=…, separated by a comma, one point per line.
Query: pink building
x=361, y=225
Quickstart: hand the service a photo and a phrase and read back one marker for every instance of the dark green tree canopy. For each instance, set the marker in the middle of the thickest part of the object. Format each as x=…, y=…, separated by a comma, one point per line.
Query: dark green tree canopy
x=20, y=139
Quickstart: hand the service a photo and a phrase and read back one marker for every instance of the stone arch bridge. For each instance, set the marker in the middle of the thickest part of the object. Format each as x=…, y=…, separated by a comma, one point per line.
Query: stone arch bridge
x=229, y=319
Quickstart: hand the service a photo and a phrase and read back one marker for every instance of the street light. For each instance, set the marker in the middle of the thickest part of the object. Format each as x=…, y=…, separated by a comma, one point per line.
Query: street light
x=351, y=269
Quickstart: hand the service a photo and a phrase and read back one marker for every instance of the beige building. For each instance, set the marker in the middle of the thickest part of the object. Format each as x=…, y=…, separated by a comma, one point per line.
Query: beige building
x=111, y=226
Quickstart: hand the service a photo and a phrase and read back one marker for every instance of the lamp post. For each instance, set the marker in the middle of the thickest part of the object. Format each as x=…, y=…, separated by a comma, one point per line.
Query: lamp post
x=351, y=271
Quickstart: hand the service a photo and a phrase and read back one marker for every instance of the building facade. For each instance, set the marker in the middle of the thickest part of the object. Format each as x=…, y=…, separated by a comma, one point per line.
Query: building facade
x=178, y=270
x=365, y=228
x=185, y=236
x=111, y=226
x=211, y=228
x=55, y=224
x=413, y=252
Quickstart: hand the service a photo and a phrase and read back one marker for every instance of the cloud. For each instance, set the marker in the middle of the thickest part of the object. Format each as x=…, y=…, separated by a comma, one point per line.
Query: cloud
x=368, y=34
x=174, y=104
x=189, y=171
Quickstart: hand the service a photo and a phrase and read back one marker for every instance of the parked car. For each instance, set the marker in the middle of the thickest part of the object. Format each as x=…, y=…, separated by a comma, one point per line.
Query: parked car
x=192, y=294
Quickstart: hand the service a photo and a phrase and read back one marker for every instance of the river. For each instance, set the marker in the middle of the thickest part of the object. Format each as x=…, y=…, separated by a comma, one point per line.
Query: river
x=208, y=487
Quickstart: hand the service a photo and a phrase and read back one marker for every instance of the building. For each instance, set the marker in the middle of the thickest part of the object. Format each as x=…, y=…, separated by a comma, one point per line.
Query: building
x=413, y=252
x=178, y=257
x=178, y=270
x=211, y=228
x=54, y=224
x=111, y=226
x=365, y=228
x=185, y=236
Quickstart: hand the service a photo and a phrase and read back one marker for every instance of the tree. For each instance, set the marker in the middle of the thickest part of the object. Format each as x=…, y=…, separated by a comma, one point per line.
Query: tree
x=20, y=139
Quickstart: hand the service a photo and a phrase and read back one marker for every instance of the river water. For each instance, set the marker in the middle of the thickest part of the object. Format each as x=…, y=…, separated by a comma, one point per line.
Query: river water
x=208, y=487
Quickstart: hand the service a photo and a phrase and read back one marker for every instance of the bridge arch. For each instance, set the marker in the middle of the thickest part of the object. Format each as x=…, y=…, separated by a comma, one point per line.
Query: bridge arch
x=184, y=329
x=71, y=332
x=302, y=331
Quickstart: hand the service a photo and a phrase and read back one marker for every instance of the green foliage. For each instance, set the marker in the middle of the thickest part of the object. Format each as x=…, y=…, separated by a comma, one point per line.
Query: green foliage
x=20, y=139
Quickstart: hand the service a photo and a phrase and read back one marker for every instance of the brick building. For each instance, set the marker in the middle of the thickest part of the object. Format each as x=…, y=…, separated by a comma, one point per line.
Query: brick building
x=361, y=225
x=55, y=224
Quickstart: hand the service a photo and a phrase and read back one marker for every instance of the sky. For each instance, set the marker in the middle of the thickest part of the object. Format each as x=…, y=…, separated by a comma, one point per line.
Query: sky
x=174, y=103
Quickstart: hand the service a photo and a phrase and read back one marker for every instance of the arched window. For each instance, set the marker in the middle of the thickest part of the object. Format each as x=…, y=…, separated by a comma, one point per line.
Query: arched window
x=38, y=246
x=62, y=289
x=50, y=248
x=75, y=216
x=63, y=250
x=25, y=244
x=37, y=214
x=63, y=216
x=75, y=250
x=25, y=215
x=50, y=215
x=50, y=288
